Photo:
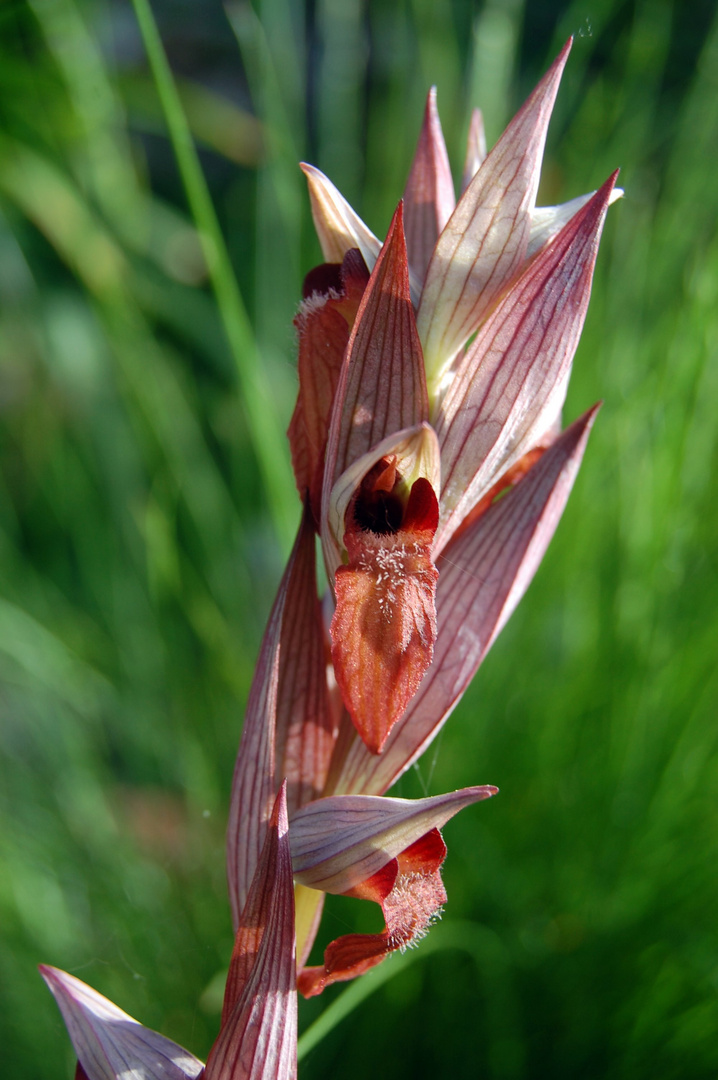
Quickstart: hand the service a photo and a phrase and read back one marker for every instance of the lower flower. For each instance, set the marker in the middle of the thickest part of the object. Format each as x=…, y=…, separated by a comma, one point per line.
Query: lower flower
x=411, y=894
x=389, y=851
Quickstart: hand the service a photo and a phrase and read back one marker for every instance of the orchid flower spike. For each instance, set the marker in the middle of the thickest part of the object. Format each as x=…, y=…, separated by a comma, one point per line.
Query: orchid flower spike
x=433, y=369
x=432, y=384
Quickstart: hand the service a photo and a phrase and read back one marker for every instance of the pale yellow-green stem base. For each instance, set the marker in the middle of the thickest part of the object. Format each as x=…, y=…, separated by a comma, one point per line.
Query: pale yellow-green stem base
x=308, y=904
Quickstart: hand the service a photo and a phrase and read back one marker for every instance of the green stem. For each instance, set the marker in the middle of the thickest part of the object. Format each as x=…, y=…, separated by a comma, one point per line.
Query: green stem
x=263, y=423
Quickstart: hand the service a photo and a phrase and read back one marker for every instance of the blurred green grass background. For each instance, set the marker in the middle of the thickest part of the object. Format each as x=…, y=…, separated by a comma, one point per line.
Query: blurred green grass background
x=145, y=510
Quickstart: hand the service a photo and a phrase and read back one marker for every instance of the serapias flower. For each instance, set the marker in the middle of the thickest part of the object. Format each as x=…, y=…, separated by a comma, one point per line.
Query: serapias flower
x=386, y=850
x=491, y=270
x=258, y=1031
x=433, y=370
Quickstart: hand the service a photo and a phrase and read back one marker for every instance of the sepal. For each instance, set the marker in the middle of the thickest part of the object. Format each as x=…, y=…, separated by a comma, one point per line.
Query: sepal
x=110, y=1044
x=289, y=729
x=485, y=240
x=429, y=198
x=338, y=227
x=258, y=1032
x=510, y=386
x=341, y=841
x=382, y=385
x=547, y=221
x=475, y=149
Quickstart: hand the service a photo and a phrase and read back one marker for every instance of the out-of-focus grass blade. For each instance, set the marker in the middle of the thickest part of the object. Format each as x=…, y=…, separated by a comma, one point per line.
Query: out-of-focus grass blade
x=272, y=50
x=45, y=658
x=214, y=121
x=440, y=56
x=494, y=43
x=339, y=93
x=51, y=201
x=104, y=166
x=267, y=438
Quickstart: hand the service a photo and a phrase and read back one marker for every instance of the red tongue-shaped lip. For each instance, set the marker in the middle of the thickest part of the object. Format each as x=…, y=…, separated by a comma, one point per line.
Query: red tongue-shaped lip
x=384, y=625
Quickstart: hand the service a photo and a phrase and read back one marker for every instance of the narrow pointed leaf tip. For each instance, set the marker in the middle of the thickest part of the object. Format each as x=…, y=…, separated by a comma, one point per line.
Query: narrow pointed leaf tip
x=289, y=727
x=382, y=385
x=341, y=841
x=429, y=197
x=547, y=221
x=258, y=1034
x=510, y=386
x=110, y=1045
x=338, y=227
x=486, y=238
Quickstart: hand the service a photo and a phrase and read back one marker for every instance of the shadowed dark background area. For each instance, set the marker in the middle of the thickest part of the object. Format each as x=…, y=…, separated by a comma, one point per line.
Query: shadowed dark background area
x=141, y=540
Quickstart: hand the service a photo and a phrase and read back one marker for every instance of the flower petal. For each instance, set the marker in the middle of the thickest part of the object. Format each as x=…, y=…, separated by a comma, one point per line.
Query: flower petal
x=475, y=149
x=484, y=573
x=288, y=728
x=382, y=386
x=338, y=227
x=110, y=1044
x=547, y=221
x=416, y=454
x=511, y=384
x=258, y=1034
x=340, y=841
x=384, y=624
x=410, y=905
x=486, y=238
x=429, y=198
x=324, y=323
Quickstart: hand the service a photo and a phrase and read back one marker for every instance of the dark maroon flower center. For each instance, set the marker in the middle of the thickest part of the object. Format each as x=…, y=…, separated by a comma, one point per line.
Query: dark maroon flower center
x=378, y=512
x=377, y=507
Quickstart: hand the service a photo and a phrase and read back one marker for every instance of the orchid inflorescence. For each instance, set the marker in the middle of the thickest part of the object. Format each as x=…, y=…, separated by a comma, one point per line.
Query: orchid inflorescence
x=430, y=462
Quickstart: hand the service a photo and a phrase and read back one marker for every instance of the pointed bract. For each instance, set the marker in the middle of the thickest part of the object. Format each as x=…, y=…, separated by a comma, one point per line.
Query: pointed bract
x=429, y=198
x=511, y=384
x=324, y=323
x=484, y=572
x=382, y=386
x=111, y=1045
x=475, y=149
x=258, y=1034
x=547, y=221
x=288, y=728
x=486, y=238
x=339, y=229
